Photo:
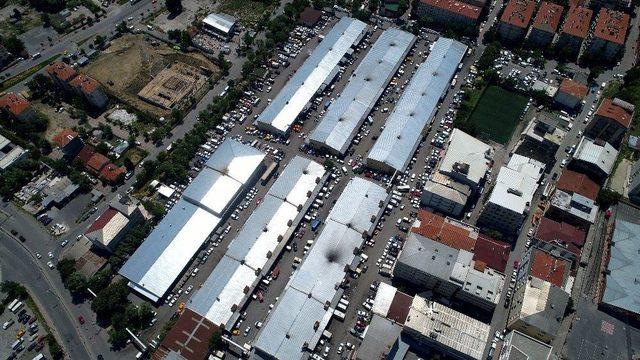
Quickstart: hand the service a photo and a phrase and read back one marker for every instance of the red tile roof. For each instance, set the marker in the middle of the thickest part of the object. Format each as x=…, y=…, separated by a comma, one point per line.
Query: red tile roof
x=454, y=6
x=110, y=172
x=189, y=337
x=518, y=12
x=612, y=26
x=457, y=235
x=549, y=268
x=563, y=234
x=13, y=103
x=574, y=88
x=64, y=137
x=578, y=21
x=573, y=182
x=102, y=220
x=548, y=17
x=399, y=308
x=492, y=252
x=97, y=162
x=614, y=112
x=84, y=83
x=86, y=153
x=61, y=70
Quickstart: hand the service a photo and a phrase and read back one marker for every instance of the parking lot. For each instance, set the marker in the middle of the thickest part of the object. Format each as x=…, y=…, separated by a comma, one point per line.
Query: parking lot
x=21, y=336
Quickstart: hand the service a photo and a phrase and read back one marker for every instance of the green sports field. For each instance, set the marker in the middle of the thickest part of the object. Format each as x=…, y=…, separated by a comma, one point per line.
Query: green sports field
x=497, y=113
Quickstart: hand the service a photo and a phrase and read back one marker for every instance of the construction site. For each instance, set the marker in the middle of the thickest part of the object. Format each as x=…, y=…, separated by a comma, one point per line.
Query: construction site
x=149, y=75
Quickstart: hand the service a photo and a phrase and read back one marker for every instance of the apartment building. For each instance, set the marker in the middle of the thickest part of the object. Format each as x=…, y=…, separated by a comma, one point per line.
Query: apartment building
x=609, y=34
x=611, y=121
x=16, y=107
x=515, y=19
x=570, y=93
x=89, y=88
x=449, y=11
x=574, y=31
x=545, y=24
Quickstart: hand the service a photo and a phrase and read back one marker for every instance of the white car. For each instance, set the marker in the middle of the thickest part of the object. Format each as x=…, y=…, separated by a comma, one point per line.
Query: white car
x=50, y=255
x=50, y=264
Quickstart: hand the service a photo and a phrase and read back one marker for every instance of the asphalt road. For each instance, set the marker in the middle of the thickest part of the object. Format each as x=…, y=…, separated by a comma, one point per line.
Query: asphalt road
x=18, y=265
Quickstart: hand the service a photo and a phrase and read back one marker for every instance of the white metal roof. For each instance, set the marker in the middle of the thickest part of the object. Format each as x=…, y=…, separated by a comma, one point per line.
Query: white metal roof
x=465, y=149
x=343, y=118
x=236, y=160
x=294, y=96
x=291, y=324
x=212, y=191
x=513, y=190
x=255, y=244
x=220, y=22
x=417, y=106
x=601, y=155
x=159, y=260
x=383, y=300
x=359, y=203
x=295, y=184
x=530, y=167
x=223, y=289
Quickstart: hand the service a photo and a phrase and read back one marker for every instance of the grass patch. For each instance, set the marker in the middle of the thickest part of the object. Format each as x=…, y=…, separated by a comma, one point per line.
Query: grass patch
x=249, y=12
x=497, y=113
x=25, y=74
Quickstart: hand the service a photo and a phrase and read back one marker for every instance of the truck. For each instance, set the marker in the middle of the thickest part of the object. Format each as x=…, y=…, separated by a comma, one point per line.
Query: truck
x=341, y=307
x=339, y=315
x=271, y=169
x=12, y=304
x=315, y=224
x=16, y=307
x=403, y=188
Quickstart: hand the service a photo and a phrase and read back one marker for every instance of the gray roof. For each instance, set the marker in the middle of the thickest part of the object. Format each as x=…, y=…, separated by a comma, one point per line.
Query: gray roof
x=292, y=99
x=220, y=22
x=417, y=105
x=518, y=346
x=292, y=322
x=450, y=265
x=465, y=149
x=622, y=281
x=345, y=115
x=602, y=155
x=156, y=264
x=212, y=191
x=378, y=342
x=541, y=309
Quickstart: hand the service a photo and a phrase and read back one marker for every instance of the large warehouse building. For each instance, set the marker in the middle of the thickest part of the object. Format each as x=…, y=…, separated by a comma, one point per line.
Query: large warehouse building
x=344, y=116
x=416, y=107
x=163, y=256
x=301, y=315
x=318, y=69
x=261, y=238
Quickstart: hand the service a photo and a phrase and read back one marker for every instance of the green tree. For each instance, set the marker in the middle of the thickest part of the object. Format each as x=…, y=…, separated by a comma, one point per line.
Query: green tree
x=54, y=348
x=110, y=300
x=39, y=85
x=156, y=209
x=46, y=20
x=14, y=45
x=215, y=342
x=100, y=280
x=13, y=290
x=77, y=283
x=174, y=6
x=607, y=197
x=66, y=267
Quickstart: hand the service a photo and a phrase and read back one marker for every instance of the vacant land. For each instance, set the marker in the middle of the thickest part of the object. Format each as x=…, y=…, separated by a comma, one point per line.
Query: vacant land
x=247, y=11
x=497, y=113
x=131, y=62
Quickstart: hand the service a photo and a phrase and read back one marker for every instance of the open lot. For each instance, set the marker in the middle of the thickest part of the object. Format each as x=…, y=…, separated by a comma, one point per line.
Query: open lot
x=498, y=113
x=131, y=62
x=247, y=11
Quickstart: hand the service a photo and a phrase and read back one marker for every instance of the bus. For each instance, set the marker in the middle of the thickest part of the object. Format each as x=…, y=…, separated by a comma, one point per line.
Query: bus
x=271, y=169
x=339, y=315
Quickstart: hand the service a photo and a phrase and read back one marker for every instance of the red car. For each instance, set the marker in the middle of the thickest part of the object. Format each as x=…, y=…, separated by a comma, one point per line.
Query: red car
x=81, y=319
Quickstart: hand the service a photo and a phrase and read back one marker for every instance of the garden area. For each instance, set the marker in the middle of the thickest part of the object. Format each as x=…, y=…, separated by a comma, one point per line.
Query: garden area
x=497, y=113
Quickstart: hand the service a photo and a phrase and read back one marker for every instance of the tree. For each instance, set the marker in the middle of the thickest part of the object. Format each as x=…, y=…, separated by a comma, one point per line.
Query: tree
x=13, y=290
x=215, y=342
x=110, y=300
x=174, y=6
x=100, y=280
x=99, y=41
x=154, y=208
x=177, y=115
x=77, y=283
x=607, y=197
x=13, y=45
x=66, y=267
x=46, y=20
x=40, y=86
x=122, y=28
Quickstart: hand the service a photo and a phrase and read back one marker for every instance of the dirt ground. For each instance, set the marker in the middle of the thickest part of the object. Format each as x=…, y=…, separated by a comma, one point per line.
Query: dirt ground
x=131, y=62
x=57, y=121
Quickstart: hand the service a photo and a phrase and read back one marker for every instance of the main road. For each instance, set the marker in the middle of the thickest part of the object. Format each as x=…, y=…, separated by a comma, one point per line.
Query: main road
x=19, y=265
